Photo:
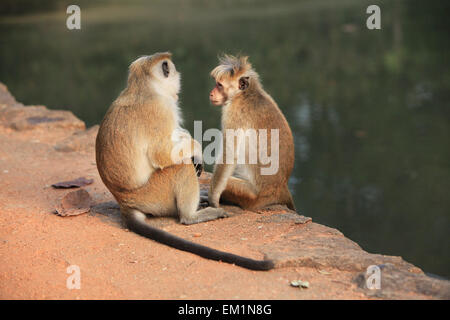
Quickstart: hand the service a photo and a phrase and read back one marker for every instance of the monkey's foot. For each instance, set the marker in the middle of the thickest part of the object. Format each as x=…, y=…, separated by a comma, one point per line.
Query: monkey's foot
x=204, y=215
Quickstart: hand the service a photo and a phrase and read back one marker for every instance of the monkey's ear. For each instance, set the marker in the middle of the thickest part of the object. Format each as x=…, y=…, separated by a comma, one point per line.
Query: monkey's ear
x=243, y=83
x=165, y=69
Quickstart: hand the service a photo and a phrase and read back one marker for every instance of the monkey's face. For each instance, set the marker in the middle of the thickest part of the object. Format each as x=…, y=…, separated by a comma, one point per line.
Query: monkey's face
x=167, y=78
x=218, y=95
x=226, y=89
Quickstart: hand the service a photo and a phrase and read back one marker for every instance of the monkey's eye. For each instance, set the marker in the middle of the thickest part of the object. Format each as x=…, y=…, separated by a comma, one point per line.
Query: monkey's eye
x=219, y=85
x=165, y=69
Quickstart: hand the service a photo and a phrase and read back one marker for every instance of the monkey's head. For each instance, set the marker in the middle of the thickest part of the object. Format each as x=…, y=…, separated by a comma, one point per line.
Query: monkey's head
x=156, y=72
x=233, y=75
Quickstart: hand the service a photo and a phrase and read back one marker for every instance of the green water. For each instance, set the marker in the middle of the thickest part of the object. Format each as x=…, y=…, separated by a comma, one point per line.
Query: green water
x=369, y=109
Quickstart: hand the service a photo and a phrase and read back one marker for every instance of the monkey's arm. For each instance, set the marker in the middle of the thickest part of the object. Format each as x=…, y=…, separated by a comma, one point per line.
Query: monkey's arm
x=176, y=150
x=222, y=172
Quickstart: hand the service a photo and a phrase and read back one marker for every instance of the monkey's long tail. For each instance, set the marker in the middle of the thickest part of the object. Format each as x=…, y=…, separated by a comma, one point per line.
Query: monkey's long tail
x=142, y=228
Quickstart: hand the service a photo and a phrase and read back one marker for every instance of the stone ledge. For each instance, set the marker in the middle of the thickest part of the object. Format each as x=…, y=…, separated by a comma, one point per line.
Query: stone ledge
x=16, y=116
x=293, y=241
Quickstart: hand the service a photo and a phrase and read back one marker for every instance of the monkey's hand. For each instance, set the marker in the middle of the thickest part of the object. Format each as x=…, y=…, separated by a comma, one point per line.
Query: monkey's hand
x=186, y=150
x=197, y=156
x=198, y=165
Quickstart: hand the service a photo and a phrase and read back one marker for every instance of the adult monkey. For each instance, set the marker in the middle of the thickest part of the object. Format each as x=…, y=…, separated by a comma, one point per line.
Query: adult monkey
x=247, y=106
x=138, y=150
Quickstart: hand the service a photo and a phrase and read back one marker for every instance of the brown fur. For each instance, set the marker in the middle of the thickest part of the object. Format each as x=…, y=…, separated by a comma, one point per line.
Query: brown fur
x=251, y=108
x=134, y=158
x=134, y=145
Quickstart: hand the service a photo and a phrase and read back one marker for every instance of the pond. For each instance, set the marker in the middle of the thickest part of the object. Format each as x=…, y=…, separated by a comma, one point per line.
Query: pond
x=369, y=109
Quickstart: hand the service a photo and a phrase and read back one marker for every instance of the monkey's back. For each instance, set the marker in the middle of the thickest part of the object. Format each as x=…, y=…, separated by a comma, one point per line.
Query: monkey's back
x=125, y=136
x=262, y=112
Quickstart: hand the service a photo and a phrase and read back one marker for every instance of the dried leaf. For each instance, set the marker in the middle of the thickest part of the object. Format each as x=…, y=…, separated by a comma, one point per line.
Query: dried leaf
x=295, y=283
x=300, y=284
x=304, y=284
x=74, y=203
x=80, y=182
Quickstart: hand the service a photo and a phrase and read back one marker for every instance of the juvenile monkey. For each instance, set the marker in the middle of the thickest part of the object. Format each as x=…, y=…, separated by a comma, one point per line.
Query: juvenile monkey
x=138, y=150
x=247, y=106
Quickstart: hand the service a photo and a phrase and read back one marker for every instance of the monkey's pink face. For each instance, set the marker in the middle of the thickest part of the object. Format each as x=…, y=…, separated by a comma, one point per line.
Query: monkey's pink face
x=218, y=95
x=226, y=89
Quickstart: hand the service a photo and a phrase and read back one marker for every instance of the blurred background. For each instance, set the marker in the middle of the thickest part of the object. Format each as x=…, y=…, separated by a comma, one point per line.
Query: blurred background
x=369, y=109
